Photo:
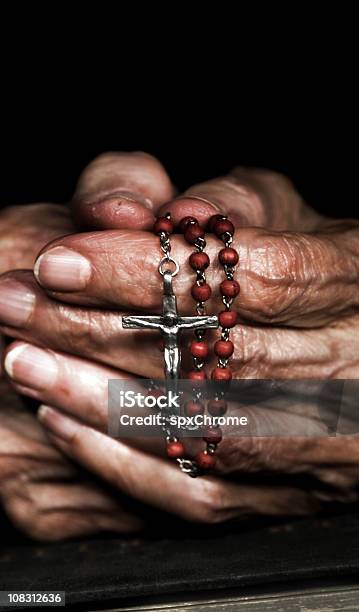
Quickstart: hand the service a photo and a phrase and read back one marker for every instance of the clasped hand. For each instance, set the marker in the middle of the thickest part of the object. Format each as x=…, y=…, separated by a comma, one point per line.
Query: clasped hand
x=70, y=272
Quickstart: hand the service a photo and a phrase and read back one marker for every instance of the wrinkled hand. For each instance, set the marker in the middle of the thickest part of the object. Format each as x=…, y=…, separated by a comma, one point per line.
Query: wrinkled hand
x=298, y=309
x=296, y=269
x=43, y=493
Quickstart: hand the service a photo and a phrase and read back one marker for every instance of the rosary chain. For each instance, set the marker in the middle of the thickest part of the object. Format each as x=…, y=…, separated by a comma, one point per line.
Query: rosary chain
x=201, y=292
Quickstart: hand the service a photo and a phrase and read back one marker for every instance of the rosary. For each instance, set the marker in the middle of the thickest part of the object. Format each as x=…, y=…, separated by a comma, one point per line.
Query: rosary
x=171, y=323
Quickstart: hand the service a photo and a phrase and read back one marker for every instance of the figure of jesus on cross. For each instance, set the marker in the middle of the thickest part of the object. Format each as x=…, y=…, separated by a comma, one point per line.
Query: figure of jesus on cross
x=170, y=324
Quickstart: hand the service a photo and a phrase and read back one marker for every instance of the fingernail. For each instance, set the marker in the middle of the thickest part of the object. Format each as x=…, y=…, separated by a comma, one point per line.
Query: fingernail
x=214, y=205
x=133, y=197
x=62, y=269
x=57, y=423
x=16, y=303
x=99, y=199
x=31, y=366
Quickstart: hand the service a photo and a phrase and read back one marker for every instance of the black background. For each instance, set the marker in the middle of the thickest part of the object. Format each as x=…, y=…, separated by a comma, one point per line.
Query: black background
x=42, y=156
x=290, y=107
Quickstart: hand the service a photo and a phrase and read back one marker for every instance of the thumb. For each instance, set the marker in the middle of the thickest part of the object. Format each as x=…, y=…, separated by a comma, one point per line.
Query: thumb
x=121, y=191
x=251, y=197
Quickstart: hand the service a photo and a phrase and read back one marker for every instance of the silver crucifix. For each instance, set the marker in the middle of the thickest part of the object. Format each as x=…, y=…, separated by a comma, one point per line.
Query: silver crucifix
x=170, y=324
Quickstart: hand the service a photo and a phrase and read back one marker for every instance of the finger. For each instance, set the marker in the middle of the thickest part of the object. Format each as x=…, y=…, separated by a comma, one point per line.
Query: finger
x=48, y=376
x=54, y=511
x=235, y=454
x=86, y=397
x=156, y=482
x=121, y=190
x=285, y=277
x=251, y=197
x=321, y=457
x=260, y=352
x=27, y=313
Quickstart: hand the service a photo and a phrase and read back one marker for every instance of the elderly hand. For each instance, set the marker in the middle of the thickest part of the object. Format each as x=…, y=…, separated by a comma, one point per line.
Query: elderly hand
x=43, y=493
x=298, y=319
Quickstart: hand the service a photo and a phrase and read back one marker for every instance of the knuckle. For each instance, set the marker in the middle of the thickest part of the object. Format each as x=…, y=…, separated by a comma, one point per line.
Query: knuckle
x=81, y=329
x=248, y=200
x=276, y=275
x=243, y=454
x=144, y=264
x=247, y=193
x=230, y=191
x=44, y=524
x=24, y=510
x=250, y=349
x=240, y=186
x=207, y=506
x=33, y=525
x=262, y=176
x=271, y=176
x=272, y=196
x=112, y=158
x=337, y=478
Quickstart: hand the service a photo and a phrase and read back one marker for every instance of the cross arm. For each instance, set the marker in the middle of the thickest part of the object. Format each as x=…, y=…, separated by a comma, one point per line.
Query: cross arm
x=142, y=322
x=198, y=322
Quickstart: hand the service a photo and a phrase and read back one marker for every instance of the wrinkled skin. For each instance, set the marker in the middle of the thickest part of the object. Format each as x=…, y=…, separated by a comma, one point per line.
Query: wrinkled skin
x=298, y=312
x=43, y=493
x=24, y=230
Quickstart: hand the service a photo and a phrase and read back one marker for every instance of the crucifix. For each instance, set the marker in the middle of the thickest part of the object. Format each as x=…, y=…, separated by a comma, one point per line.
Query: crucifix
x=170, y=324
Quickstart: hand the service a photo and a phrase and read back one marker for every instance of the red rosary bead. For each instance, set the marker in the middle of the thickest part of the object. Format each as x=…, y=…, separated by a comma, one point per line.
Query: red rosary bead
x=193, y=232
x=197, y=375
x=227, y=318
x=163, y=225
x=194, y=408
x=205, y=460
x=199, y=349
x=217, y=408
x=201, y=293
x=228, y=256
x=199, y=261
x=221, y=374
x=224, y=348
x=229, y=288
x=186, y=221
x=222, y=226
x=213, y=220
x=175, y=449
x=213, y=435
